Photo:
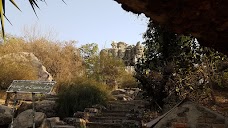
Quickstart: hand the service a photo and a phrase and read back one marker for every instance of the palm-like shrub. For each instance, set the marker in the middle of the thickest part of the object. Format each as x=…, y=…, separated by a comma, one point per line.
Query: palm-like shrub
x=33, y=3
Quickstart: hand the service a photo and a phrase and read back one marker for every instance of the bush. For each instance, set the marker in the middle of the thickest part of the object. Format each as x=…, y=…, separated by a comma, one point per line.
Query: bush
x=61, y=59
x=128, y=81
x=10, y=71
x=77, y=96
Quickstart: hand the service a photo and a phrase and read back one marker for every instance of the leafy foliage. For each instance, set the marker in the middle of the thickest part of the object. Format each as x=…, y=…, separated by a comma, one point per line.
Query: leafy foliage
x=177, y=65
x=89, y=53
x=102, y=67
x=80, y=94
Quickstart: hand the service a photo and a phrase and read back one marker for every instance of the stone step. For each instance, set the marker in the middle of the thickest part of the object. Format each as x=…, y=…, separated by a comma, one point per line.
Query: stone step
x=107, y=119
x=113, y=119
x=116, y=107
x=63, y=126
x=130, y=116
x=115, y=114
x=123, y=124
x=103, y=125
x=116, y=111
x=134, y=102
x=122, y=112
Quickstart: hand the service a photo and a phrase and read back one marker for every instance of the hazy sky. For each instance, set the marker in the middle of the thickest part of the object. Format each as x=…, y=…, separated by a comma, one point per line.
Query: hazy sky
x=86, y=21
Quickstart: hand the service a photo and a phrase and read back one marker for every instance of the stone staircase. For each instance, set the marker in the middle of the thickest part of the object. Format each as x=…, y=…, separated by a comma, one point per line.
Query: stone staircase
x=119, y=114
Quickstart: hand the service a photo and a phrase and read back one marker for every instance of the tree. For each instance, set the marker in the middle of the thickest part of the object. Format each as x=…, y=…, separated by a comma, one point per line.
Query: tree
x=166, y=54
x=177, y=65
x=110, y=69
x=102, y=67
x=89, y=53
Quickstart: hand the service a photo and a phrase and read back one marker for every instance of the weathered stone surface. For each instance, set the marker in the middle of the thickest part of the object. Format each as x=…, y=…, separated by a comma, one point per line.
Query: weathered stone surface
x=207, y=20
x=30, y=59
x=77, y=122
x=46, y=124
x=52, y=122
x=118, y=91
x=48, y=107
x=122, y=97
x=129, y=53
x=25, y=120
x=189, y=114
x=5, y=115
x=99, y=107
x=63, y=126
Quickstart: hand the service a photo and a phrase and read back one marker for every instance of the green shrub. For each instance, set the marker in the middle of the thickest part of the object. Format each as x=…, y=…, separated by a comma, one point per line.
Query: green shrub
x=128, y=81
x=77, y=96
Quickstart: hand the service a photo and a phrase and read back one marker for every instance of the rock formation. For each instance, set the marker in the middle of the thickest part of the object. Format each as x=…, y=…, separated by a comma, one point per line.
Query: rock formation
x=129, y=53
x=25, y=120
x=5, y=115
x=29, y=58
x=207, y=20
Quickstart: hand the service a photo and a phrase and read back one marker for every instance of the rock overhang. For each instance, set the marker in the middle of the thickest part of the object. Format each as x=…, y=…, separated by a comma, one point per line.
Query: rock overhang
x=207, y=20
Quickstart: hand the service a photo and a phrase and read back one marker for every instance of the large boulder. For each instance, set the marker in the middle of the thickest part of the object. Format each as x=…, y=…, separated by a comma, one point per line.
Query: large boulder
x=5, y=115
x=29, y=59
x=52, y=123
x=25, y=119
x=48, y=107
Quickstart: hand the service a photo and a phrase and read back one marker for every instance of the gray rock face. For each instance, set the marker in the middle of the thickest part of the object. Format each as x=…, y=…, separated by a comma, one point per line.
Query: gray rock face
x=129, y=53
x=29, y=58
x=25, y=120
x=46, y=106
x=46, y=124
x=5, y=115
x=52, y=123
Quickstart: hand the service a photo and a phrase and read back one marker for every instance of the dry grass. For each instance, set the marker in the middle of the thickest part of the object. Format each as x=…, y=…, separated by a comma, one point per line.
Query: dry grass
x=62, y=60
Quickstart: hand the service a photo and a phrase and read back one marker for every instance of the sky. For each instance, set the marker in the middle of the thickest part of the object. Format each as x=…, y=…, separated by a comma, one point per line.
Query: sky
x=85, y=21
